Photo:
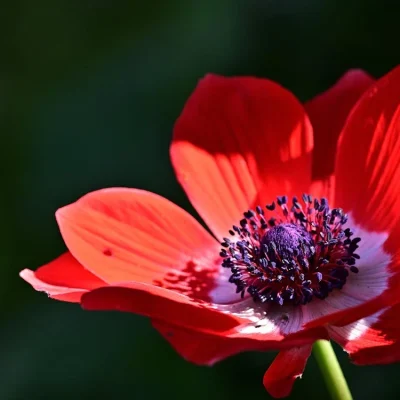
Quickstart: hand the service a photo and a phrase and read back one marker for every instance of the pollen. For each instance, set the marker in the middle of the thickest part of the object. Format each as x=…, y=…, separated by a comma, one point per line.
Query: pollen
x=290, y=254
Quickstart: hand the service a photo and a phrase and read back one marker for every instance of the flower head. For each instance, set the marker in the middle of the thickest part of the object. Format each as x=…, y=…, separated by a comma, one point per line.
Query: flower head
x=305, y=228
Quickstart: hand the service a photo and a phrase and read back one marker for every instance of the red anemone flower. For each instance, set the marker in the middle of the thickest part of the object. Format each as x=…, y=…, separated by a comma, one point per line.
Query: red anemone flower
x=305, y=228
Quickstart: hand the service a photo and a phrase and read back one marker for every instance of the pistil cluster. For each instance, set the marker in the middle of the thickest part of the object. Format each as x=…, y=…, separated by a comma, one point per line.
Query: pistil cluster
x=289, y=254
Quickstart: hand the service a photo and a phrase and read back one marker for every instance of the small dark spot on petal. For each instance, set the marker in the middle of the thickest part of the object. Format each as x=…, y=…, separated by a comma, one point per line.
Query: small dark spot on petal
x=285, y=318
x=107, y=252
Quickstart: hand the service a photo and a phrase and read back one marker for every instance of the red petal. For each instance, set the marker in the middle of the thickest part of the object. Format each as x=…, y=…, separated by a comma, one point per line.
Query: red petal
x=368, y=182
x=377, y=355
x=328, y=113
x=72, y=295
x=368, y=160
x=66, y=271
x=132, y=235
x=240, y=142
x=205, y=349
x=235, y=322
x=63, y=279
x=285, y=369
x=161, y=304
x=372, y=340
x=365, y=293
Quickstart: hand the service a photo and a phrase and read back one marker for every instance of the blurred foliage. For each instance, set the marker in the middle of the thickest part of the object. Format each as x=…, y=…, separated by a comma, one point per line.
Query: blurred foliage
x=89, y=92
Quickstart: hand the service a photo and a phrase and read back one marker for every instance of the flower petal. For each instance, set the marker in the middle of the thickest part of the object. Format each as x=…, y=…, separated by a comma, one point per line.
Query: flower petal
x=262, y=321
x=240, y=142
x=242, y=327
x=366, y=332
x=365, y=292
x=367, y=174
x=285, y=369
x=124, y=234
x=328, y=113
x=72, y=295
x=160, y=304
x=205, y=349
x=63, y=279
x=372, y=340
x=367, y=167
x=66, y=271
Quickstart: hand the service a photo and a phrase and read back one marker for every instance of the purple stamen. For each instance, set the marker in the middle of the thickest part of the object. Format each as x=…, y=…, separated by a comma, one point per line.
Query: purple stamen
x=292, y=259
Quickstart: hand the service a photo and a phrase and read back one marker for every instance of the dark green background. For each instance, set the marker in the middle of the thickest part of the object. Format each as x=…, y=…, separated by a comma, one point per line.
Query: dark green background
x=89, y=92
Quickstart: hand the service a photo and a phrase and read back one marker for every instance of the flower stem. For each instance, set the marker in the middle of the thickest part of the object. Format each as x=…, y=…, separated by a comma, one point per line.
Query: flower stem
x=330, y=368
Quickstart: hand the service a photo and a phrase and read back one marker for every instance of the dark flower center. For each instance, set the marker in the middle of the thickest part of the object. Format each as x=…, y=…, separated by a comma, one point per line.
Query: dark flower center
x=296, y=254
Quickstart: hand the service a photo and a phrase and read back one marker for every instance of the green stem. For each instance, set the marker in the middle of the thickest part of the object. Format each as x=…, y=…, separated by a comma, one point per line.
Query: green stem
x=330, y=368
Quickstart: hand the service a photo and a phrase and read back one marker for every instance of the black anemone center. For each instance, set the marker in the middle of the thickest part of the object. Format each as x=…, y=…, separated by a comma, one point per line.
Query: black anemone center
x=295, y=255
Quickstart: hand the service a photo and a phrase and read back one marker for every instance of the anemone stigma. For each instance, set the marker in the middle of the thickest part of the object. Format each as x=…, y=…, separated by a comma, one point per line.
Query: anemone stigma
x=293, y=255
